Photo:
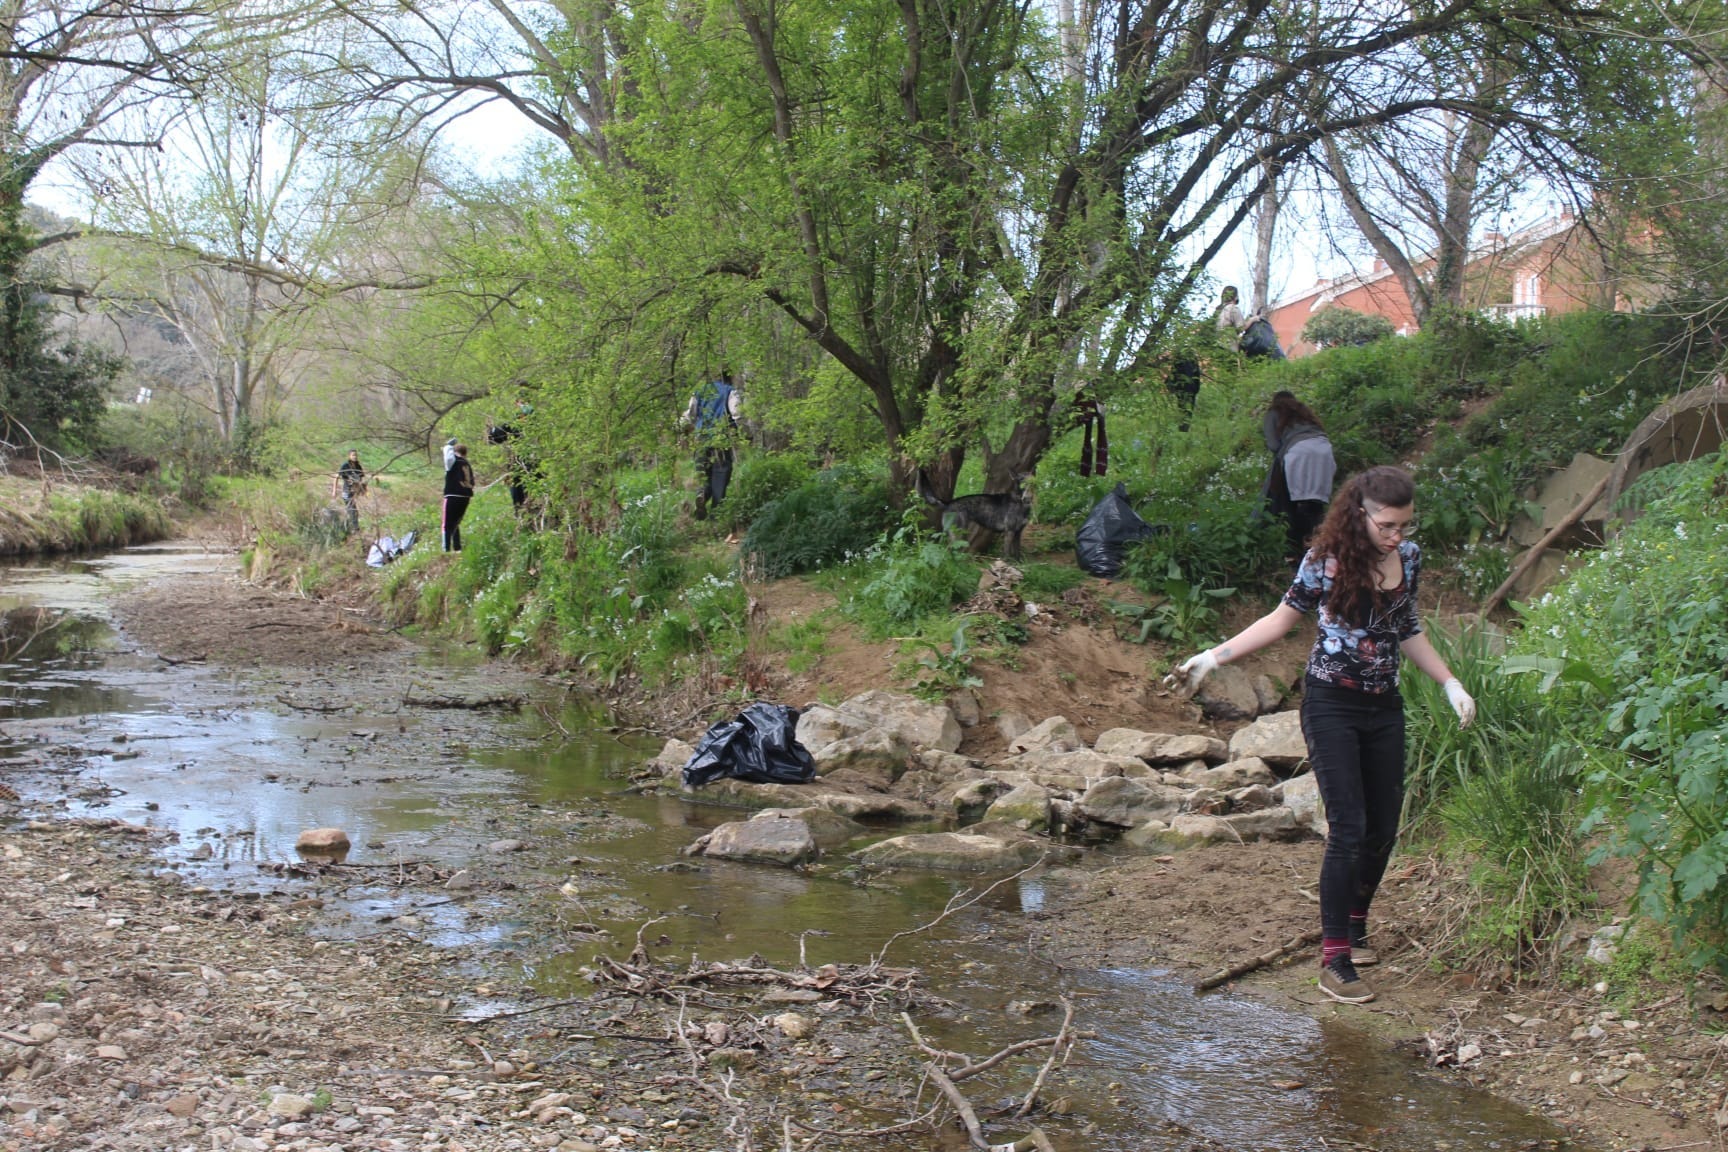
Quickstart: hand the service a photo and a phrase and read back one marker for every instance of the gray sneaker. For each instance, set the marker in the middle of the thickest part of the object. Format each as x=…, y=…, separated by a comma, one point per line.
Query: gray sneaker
x=1340, y=981
x=1362, y=953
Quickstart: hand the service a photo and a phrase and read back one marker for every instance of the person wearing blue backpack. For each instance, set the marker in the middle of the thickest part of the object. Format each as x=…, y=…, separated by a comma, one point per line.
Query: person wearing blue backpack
x=713, y=413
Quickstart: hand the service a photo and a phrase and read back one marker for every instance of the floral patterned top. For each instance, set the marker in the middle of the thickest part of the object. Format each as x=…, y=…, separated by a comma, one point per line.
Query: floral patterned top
x=1365, y=659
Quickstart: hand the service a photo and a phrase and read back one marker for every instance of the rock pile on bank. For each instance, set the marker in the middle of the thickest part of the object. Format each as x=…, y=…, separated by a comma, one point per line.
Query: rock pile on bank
x=883, y=757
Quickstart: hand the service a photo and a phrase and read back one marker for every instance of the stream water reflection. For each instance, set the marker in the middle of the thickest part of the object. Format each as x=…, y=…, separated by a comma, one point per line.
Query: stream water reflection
x=215, y=756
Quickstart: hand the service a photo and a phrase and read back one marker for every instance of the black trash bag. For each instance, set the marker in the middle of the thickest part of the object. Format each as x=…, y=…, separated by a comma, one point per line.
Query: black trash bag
x=1258, y=339
x=760, y=746
x=1111, y=527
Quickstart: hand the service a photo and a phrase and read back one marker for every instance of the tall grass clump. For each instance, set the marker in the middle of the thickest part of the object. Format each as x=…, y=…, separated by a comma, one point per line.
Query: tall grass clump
x=1500, y=801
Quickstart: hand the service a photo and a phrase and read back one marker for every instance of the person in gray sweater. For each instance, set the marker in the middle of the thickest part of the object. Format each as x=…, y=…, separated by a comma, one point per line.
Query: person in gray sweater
x=1299, y=484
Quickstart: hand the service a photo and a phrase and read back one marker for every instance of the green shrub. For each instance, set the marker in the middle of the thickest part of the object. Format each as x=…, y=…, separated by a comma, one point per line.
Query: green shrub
x=760, y=479
x=1336, y=326
x=1567, y=384
x=836, y=516
x=913, y=577
x=1632, y=650
x=1215, y=535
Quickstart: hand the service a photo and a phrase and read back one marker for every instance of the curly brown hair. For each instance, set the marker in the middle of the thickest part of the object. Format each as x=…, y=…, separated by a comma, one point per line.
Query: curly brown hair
x=1345, y=537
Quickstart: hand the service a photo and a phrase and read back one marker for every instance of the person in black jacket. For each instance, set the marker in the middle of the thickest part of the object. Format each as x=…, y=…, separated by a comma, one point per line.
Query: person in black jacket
x=349, y=487
x=458, y=490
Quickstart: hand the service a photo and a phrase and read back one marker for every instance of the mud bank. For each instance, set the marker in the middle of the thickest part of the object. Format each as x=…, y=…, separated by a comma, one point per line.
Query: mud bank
x=40, y=518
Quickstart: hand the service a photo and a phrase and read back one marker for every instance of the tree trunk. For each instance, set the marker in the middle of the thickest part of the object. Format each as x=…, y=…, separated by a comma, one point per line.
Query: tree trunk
x=1265, y=231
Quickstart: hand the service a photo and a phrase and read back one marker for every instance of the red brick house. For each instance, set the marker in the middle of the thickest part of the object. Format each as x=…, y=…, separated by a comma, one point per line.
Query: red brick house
x=1551, y=266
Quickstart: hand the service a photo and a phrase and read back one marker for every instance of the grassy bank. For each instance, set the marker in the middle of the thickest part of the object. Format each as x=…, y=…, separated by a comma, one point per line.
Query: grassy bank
x=37, y=518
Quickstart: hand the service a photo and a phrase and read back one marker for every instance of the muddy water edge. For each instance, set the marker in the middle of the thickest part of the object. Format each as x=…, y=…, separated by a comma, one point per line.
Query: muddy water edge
x=506, y=839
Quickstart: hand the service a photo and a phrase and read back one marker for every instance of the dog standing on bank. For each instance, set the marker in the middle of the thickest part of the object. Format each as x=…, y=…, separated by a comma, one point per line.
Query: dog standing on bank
x=1005, y=513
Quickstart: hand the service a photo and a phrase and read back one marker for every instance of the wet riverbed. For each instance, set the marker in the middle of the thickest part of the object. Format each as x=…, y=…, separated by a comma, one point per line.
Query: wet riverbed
x=238, y=760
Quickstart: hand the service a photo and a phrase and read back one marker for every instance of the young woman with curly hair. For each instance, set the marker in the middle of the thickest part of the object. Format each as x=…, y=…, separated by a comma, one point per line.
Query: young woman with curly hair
x=1361, y=574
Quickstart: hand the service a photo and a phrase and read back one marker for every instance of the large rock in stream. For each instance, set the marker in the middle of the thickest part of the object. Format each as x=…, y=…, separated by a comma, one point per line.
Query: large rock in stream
x=1228, y=694
x=763, y=841
x=777, y=836
x=873, y=752
x=1267, y=824
x=1027, y=806
x=984, y=848
x=1071, y=770
x=863, y=805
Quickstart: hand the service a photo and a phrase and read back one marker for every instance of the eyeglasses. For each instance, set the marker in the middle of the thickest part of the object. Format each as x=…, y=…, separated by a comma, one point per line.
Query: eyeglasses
x=1404, y=531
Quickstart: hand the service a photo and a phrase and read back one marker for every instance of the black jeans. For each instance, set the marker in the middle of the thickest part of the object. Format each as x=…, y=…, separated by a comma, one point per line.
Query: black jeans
x=714, y=462
x=455, y=507
x=1302, y=521
x=1356, y=746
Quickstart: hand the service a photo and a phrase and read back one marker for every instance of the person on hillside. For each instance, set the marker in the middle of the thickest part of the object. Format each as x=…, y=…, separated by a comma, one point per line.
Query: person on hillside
x=458, y=490
x=504, y=434
x=1361, y=575
x=1230, y=318
x=1089, y=416
x=713, y=412
x=350, y=485
x=1299, y=483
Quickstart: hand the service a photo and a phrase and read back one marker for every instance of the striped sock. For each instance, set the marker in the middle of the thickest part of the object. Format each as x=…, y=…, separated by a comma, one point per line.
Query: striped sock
x=1332, y=947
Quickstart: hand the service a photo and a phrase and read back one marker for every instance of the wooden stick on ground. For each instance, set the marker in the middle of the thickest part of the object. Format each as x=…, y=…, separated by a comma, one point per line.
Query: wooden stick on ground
x=1057, y=1052
x=1529, y=558
x=1265, y=959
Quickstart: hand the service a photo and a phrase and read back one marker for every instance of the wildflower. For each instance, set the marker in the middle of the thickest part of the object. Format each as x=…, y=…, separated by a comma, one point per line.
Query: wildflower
x=1680, y=530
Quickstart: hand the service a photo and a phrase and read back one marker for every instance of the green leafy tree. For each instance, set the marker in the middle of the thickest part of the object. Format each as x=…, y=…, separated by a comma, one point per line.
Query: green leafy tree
x=938, y=200
x=1335, y=326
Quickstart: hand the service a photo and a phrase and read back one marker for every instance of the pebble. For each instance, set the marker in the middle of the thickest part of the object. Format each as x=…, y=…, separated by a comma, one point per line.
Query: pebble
x=289, y=1105
x=794, y=1025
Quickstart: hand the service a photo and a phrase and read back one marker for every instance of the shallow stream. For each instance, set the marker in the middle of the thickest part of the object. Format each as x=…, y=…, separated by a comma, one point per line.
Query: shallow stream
x=238, y=761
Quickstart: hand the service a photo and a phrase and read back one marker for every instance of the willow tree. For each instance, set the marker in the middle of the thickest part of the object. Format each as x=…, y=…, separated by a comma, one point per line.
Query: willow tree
x=90, y=77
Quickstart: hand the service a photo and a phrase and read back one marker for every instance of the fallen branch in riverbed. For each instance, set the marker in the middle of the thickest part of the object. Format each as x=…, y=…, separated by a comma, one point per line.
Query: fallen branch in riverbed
x=299, y=707
x=852, y=982
x=948, y=1082
x=1254, y=964
x=507, y=700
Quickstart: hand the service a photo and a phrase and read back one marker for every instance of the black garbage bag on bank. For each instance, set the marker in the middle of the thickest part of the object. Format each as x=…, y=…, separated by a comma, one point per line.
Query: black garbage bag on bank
x=1109, y=529
x=760, y=746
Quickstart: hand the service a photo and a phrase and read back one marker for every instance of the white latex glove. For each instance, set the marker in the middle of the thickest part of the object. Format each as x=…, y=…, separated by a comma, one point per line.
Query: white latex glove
x=1188, y=675
x=1461, y=702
